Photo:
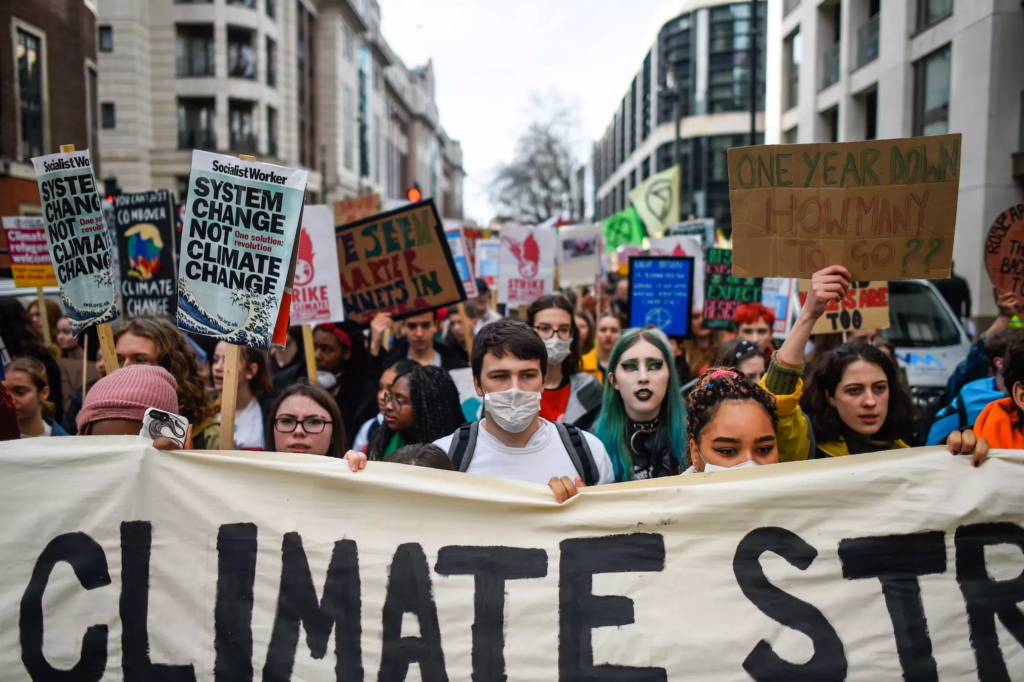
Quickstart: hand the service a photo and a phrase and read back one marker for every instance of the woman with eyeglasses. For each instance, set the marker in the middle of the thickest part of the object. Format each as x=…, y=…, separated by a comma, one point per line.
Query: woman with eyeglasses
x=570, y=395
x=306, y=419
x=422, y=406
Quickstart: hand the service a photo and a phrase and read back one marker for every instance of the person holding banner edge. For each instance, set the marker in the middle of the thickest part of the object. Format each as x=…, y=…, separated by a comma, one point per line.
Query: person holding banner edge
x=860, y=404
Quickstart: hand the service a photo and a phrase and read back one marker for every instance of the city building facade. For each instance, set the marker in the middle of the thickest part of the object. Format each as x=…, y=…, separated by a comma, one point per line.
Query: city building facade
x=702, y=58
x=849, y=70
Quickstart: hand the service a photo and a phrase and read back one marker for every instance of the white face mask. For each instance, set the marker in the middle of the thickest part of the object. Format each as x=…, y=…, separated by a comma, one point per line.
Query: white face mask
x=513, y=410
x=558, y=349
x=708, y=466
x=326, y=380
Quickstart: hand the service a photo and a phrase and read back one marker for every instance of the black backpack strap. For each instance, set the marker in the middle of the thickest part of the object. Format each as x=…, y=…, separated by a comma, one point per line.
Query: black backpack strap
x=460, y=451
x=961, y=410
x=579, y=452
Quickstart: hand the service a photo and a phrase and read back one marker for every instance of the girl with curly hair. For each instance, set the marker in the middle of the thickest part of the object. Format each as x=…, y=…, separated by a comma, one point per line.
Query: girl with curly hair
x=422, y=406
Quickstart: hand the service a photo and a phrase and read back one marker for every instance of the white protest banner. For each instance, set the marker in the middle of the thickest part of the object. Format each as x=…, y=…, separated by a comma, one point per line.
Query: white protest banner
x=777, y=294
x=488, y=255
x=578, y=256
x=316, y=296
x=684, y=246
x=76, y=234
x=453, y=232
x=527, y=265
x=241, y=221
x=125, y=563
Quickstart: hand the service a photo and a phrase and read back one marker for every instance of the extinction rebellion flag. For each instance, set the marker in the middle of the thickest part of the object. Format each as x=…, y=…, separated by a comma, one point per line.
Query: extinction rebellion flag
x=241, y=221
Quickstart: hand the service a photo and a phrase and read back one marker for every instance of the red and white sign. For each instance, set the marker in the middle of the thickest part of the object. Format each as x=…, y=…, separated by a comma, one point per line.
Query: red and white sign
x=30, y=256
x=527, y=264
x=316, y=295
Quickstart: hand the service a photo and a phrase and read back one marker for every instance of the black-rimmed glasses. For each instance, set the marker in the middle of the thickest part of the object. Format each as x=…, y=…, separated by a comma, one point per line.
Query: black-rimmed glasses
x=311, y=425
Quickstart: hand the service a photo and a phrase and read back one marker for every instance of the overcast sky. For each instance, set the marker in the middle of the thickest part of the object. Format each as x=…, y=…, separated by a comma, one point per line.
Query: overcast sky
x=492, y=56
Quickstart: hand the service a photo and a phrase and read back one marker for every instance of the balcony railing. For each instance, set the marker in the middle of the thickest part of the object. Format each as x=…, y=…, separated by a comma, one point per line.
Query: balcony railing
x=867, y=42
x=788, y=6
x=830, y=66
x=793, y=89
x=197, y=139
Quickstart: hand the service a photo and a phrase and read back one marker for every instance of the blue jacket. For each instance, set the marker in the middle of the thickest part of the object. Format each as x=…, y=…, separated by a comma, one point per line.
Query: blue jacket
x=972, y=368
x=963, y=411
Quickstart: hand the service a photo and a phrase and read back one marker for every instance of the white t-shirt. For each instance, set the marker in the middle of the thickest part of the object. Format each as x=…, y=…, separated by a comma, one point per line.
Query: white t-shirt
x=543, y=458
x=249, y=427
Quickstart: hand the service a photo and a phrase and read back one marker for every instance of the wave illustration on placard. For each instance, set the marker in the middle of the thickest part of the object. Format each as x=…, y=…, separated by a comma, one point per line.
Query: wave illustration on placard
x=81, y=318
x=255, y=330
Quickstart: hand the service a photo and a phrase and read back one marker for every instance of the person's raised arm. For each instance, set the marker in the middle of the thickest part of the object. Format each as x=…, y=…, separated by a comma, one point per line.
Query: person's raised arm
x=828, y=284
x=381, y=323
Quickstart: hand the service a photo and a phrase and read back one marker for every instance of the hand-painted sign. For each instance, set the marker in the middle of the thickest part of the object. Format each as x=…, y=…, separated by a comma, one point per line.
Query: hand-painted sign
x=350, y=210
x=30, y=258
x=241, y=223
x=397, y=262
x=527, y=264
x=865, y=306
x=885, y=209
x=76, y=234
x=724, y=292
x=316, y=293
x=144, y=225
x=1004, y=251
x=661, y=293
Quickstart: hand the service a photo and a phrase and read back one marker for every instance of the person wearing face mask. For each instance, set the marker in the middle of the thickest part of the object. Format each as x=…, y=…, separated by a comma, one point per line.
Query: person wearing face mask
x=743, y=356
x=642, y=418
x=855, y=397
x=570, y=395
x=512, y=440
x=609, y=329
x=421, y=406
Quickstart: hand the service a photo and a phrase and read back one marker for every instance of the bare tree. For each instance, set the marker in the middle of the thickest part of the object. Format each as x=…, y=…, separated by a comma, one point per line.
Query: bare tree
x=535, y=185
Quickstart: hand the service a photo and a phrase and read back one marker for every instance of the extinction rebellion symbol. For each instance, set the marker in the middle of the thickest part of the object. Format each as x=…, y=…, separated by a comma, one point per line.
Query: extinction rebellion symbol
x=658, y=199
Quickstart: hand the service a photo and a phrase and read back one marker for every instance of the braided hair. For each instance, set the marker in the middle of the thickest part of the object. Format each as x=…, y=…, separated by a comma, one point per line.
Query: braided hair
x=714, y=387
x=436, y=409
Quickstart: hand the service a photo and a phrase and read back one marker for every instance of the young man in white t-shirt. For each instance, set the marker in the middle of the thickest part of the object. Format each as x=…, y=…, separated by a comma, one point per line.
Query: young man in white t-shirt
x=512, y=441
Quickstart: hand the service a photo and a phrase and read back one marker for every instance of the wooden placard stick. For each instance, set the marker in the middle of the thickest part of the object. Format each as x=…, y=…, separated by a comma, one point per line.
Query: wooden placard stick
x=467, y=332
x=106, y=334
x=44, y=316
x=310, y=351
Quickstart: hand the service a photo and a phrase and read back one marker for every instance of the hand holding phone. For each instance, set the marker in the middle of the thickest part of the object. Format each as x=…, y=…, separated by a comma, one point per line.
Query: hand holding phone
x=159, y=424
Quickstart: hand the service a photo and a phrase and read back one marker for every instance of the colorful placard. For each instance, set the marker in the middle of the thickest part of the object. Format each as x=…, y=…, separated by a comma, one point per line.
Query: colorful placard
x=397, y=262
x=241, y=223
x=724, y=292
x=661, y=293
x=578, y=257
x=460, y=255
x=144, y=225
x=350, y=210
x=488, y=257
x=865, y=306
x=30, y=257
x=316, y=292
x=885, y=209
x=76, y=235
x=1004, y=251
x=527, y=267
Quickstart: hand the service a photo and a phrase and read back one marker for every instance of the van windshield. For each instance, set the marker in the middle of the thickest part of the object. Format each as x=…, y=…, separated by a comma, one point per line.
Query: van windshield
x=918, y=317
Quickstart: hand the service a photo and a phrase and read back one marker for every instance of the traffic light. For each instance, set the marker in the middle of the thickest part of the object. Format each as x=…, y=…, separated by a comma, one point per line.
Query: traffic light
x=414, y=194
x=112, y=188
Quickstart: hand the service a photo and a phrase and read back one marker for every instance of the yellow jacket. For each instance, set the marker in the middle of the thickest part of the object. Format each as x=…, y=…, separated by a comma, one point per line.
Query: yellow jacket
x=795, y=434
x=591, y=366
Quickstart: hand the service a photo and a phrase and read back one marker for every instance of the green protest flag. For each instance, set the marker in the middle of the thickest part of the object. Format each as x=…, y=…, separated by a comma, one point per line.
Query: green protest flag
x=657, y=201
x=622, y=228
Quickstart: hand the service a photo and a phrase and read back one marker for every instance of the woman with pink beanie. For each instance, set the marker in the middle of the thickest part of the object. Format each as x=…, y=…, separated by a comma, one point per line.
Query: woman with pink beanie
x=117, y=403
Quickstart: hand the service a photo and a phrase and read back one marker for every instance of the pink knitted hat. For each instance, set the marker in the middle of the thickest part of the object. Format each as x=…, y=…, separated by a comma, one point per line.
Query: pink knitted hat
x=127, y=393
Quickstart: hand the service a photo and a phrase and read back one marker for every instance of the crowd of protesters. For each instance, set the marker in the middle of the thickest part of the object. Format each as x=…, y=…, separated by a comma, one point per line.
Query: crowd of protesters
x=571, y=396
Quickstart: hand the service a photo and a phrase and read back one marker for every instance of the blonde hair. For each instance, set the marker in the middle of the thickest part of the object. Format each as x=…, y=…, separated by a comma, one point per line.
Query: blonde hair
x=37, y=371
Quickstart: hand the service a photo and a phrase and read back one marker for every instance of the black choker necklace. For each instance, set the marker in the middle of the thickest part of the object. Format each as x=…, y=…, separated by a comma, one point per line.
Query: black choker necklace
x=641, y=428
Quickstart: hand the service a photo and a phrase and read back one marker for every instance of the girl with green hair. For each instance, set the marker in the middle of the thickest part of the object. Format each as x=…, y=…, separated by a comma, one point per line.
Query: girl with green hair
x=643, y=421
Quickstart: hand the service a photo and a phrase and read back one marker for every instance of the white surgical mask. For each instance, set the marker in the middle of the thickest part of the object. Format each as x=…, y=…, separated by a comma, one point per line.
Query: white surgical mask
x=708, y=466
x=326, y=380
x=558, y=349
x=513, y=410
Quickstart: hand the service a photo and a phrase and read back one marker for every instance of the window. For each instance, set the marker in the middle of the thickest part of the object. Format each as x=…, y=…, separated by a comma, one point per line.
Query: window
x=645, y=169
x=871, y=115
x=271, y=62
x=918, y=318
x=271, y=131
x=193, y=50
x=29, y=55
x=251, y=4
x=365, y=66
x=196, y=123
x=830, y=124
x=376, y=148
x=932, y=11
x=931, y=116
x=241, y=53
x=181, y=187
x=107, y=113
x=674, y=47
x=729, y=59
x=94, y=108
x=242, y=125
x=1020, y=144
x=106, y=39
x=648, y=97
x=348, y=124
x=192, y=2
x=271, y=8
x=347, y=47
x=792, y=54
x=791, y=136
x=632, y=117
x=376, y=78
x=305, y=61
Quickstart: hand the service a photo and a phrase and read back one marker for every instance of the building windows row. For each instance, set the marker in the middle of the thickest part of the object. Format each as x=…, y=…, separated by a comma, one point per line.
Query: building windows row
x=931, y=93
x=241, y=52
x=197, y=125
x=195, y=57
x=29, y=57
x=269, y=6
x=729, y=59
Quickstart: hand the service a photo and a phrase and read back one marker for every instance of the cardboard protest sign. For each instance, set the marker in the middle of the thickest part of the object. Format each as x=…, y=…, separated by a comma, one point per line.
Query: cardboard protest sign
x=76, y=235
x=144, y=225
x=661, y=293
x=622, y=228
x=657, y=201
x=350, y=210
x=397, y=262
x=865, y=306
x=241, y=223
x=316, y=296
x=488, y=257
x=527, y=265
x=684, y=247
x=30, y=258
x=777, y=294
x=579, y=253
x=285, y=566
x=460, y=256
x=724, y=292
x=885, y=209
x=1004, y=251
